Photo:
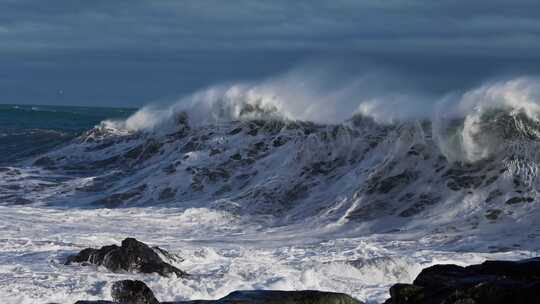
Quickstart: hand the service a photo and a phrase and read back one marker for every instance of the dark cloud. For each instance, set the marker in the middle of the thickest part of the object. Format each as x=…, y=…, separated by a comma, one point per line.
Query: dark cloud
x=129, y=52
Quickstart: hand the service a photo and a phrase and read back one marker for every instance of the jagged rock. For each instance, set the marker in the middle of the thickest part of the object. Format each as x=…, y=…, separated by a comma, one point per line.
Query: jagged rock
x=132, y=256
x=136, y=292
x=492, y=282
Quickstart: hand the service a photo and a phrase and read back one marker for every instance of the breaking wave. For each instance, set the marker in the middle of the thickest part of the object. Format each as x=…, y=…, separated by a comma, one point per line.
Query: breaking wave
x=272, y=151
x=289, y=183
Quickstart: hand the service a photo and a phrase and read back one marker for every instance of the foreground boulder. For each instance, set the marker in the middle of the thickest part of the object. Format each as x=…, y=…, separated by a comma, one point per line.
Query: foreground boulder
x=132, y=256
x=492, y=282
x=282, y=297
x=133, y=292
x=136, y=292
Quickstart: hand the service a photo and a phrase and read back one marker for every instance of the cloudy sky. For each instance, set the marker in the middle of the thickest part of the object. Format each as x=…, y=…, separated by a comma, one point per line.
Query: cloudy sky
x=129, y=53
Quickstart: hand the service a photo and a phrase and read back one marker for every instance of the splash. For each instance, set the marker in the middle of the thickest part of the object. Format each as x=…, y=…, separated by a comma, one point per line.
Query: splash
x=482, y=122
x=468, y=126
x=305, y=94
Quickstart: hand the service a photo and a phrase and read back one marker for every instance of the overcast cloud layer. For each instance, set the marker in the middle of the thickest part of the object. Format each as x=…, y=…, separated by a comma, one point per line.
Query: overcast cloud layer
x=132, y=52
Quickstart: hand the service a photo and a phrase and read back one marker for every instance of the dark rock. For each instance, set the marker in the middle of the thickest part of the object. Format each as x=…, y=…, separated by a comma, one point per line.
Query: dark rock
x=136, y=292
x=132, y=256
x=132, y=292
x=282, y=297
x=493, y=282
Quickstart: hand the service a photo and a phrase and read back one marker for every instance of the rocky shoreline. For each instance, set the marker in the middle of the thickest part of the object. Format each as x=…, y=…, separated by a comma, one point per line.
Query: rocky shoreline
x=492, y=282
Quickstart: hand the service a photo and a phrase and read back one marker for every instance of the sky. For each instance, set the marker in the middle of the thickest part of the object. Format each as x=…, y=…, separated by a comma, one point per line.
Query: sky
x=130, y=53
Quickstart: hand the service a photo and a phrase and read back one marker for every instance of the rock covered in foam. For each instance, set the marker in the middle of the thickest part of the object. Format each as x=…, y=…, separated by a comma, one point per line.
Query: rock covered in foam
x=132, y=256
x=491, y=282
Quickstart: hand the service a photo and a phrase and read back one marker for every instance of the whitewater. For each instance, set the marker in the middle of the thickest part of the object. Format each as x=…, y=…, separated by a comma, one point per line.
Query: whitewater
x=285, y=184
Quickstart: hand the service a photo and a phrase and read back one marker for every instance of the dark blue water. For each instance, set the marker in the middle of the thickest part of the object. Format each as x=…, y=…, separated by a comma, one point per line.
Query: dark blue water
x=27, y=130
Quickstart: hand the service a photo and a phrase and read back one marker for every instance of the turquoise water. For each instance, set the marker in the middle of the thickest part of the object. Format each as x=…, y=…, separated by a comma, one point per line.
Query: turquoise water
x=27, y=130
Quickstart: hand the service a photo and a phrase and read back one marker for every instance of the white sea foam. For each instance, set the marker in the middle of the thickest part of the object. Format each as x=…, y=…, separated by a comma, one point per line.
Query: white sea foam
x=365, y=267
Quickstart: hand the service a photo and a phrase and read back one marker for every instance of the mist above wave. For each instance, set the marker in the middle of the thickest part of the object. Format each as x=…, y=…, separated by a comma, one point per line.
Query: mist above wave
x=464, y=123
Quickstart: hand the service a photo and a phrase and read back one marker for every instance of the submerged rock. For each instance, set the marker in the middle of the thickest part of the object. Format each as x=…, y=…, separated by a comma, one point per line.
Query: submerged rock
x=136, y=292
x=492, y=282
x=132, y=256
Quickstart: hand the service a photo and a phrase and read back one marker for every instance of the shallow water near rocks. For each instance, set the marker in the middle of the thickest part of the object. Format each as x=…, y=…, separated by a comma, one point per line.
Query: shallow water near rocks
x=222, y=253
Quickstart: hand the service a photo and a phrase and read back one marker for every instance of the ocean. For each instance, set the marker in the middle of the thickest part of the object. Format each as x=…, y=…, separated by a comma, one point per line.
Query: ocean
x=27, y=130
x=253, y=197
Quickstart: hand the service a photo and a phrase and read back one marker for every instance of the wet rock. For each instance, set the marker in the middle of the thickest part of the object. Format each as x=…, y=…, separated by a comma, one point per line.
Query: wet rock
x=132, y=292
x=282, y=297
x=136, y=292
x=132, y=256
x=492, y=282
